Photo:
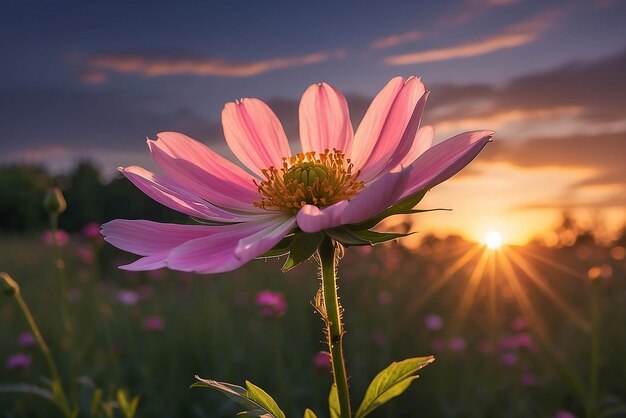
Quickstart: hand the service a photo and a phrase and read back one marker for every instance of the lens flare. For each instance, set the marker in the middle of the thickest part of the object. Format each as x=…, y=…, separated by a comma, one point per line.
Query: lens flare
x=493, y=240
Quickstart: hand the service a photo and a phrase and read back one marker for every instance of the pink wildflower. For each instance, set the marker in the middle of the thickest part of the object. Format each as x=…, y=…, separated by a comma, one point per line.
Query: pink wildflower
x=84, y=254
x=18, y=361
x=564, y=414
x=26, y=340
x=338, y=178
x=322, y=361
x=433, y=322
x=528, y=379
x=91, y=231
x=457, y=344
x=522, y=340
x=62, y=237
x=127, y=297
x=508, y=358
x=271, y=304
x=154, y=323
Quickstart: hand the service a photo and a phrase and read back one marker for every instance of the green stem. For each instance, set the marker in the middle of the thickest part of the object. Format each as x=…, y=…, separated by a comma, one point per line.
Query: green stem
x=592, y=404
x=59, y=267
x=328, y=261
x=54, y=372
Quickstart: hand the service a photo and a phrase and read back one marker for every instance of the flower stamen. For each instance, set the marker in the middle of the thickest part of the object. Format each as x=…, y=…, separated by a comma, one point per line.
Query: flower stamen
x=308, y=179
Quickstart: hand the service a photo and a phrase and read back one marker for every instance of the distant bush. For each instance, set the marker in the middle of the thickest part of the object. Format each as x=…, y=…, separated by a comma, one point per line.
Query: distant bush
x=89, y=199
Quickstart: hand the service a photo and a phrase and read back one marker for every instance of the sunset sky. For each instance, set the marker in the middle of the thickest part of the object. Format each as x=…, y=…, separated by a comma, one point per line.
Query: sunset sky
x=94, y=79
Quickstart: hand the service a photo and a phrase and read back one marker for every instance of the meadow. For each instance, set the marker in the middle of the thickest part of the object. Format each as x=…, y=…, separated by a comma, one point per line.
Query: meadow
x=512, y=329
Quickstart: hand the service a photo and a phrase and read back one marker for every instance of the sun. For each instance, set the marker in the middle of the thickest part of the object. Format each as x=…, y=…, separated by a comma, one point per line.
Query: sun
x=493, y=240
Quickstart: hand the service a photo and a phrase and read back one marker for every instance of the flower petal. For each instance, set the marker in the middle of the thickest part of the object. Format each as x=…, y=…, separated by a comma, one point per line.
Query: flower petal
x=203, y=172
x=313, y=219
x=229, y=249
x=170, y=194
x=423, y=141
x=152, y=240
x=409, y=136
x=445, y=159
x=376, y=197
x=146, y=237
x=384, y=124
x=254, y=134
x=151, y=262
x=325, y=120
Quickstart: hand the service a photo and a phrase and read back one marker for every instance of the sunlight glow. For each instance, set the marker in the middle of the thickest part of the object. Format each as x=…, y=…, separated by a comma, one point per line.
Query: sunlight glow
x=493, y=240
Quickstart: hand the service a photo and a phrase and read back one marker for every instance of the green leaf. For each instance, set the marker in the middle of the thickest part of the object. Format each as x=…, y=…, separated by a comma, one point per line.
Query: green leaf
x=348, y=236
x=302, y=247
x=128, y=406
x=256, y=402
x=262, y=398
x=309, y=414
x=280, y=249
x=402, y=207
x=391, y=382
x=96, y=400
x=333, y=402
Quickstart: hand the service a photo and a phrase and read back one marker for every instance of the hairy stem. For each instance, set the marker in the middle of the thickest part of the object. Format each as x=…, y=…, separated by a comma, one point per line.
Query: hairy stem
x=328, y=261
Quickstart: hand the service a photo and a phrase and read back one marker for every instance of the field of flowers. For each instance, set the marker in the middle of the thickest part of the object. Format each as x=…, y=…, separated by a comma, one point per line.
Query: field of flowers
x=516, y=332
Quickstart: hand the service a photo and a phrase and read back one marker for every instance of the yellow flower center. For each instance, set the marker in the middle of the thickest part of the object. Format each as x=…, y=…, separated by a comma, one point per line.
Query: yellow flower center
x=308, y=179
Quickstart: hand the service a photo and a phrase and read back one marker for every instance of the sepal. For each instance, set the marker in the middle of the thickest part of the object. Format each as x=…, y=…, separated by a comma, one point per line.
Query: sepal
x=350, y=237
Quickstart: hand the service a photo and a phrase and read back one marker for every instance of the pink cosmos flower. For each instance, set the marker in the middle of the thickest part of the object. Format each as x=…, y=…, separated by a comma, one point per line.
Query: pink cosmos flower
x=62, y=237
x=433, y=322
x=26, y=339
x=339, y=178
x=457, y=344
x=91, y=231
x=18, y=361
x=564, y=414
x=271, y=304
x=154, y=323
x=322, y=361
x=127, y=297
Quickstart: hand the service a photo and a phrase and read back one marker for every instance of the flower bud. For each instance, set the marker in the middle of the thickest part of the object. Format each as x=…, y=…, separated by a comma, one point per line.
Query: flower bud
x=54, y=202
x=8, y=286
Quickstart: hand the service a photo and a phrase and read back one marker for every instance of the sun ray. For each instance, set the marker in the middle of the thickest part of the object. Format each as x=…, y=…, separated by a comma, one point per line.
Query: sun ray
x=415, y=305
x=552, y=263
x=538, y=329
x=533, y=275
x=469, y=293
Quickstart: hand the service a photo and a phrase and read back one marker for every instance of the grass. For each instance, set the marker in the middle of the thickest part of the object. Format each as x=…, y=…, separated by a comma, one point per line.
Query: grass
x=213, y=329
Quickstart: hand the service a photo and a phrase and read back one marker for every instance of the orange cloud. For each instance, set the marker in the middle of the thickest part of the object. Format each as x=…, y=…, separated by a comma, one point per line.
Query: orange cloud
x=153, y=66
x=396, y=39
x=517, y=35
x=93, y=77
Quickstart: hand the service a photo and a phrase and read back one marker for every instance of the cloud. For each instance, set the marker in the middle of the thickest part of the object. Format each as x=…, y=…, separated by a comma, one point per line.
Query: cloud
x=469, y=10
x=154, y=63
x=396, y=39
x=594, y=91
x=513, y=36
x=602, y=155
